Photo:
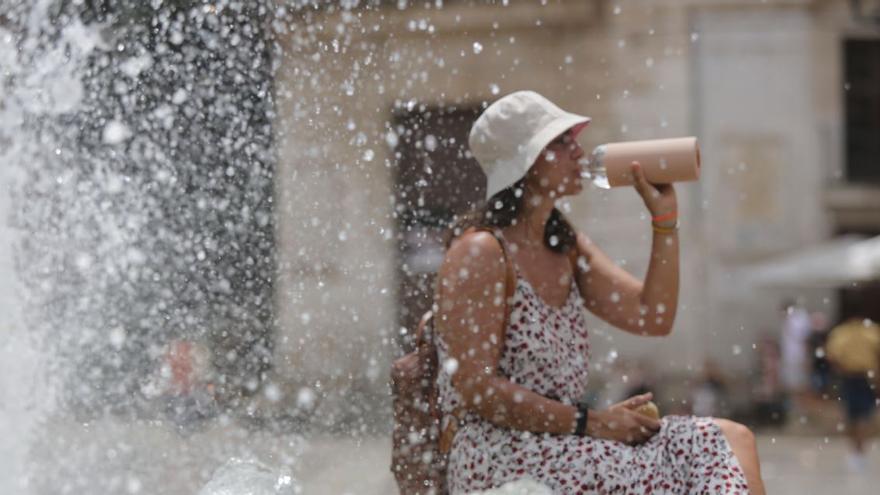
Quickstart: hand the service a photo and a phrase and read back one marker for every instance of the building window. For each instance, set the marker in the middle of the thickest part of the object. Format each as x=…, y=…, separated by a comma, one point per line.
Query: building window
x=862, y=94
x=435, y=177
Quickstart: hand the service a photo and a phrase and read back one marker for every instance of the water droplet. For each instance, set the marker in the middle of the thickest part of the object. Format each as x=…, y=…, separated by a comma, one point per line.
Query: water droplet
x=117, y=337
x=305, y=398
x=133, y=485
x=391, y=139
x=450, y=366
x=179, y=96
x=430, y=142
x=612, y=356
x=272, y=392
x=116, y=132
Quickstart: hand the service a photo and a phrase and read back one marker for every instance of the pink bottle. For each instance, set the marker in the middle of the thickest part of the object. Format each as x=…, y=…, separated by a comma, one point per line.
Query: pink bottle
x=663, y=160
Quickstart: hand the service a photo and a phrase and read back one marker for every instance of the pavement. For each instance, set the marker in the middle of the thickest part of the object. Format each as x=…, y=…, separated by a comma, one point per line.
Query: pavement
x=149, y=457
x=791, y=465
x=803, y=465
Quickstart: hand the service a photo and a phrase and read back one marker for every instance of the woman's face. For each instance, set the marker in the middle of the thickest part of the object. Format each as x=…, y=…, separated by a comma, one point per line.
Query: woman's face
x=556, y=172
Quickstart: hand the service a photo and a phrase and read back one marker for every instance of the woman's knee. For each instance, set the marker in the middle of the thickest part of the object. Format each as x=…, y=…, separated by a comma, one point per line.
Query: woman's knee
x=737, y=434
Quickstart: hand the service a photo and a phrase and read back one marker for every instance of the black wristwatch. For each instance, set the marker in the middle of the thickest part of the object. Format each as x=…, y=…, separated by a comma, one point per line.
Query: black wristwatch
x=581, y=428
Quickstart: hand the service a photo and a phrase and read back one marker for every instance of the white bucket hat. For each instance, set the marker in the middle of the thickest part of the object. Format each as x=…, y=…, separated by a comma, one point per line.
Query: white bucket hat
x=509, y=136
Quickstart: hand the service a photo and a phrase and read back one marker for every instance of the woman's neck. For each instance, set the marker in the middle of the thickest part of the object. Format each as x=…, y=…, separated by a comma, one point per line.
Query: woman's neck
x=532, y=221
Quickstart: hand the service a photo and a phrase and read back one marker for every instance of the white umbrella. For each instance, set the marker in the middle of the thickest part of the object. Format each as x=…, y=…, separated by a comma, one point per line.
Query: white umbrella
x=841, y=261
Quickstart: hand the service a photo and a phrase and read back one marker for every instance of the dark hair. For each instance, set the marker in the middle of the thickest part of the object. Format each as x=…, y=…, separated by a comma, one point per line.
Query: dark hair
x=502, y=209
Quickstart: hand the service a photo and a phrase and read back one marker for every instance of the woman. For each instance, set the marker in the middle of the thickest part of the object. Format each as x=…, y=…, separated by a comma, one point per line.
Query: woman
x=519, y=385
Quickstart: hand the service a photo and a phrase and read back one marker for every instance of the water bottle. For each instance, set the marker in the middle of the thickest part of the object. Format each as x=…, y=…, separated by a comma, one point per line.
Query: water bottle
x=663, y=161
x=593, y=170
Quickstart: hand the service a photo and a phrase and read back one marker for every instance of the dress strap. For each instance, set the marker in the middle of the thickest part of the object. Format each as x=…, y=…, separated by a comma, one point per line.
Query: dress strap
x=506, y=248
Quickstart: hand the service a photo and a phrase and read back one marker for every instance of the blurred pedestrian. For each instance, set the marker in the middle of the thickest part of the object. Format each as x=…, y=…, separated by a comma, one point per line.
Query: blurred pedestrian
x=820, y=370
x=854, y=352
x=796, y=330
x=769, y=405
x=189, y=392
x=710, y=394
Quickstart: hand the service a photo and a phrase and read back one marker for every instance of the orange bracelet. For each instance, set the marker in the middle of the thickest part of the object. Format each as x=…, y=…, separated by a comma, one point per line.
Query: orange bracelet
x=668, y=216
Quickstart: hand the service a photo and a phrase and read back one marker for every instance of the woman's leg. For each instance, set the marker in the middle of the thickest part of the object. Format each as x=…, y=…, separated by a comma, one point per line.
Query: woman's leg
x=742, y=441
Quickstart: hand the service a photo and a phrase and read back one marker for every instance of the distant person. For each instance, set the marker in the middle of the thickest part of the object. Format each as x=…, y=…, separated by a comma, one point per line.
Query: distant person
x=769, y=404
x=189, y=390
x=709, y=395
x=854, y=352
x=796, y=330
x=820, y=369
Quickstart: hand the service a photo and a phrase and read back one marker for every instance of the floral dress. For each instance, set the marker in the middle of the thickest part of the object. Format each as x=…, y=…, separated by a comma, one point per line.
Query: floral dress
x=547, y=350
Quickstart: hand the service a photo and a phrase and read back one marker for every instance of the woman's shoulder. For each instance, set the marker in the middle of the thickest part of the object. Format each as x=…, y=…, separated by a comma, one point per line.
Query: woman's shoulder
x=474, y=243
x=473, y=248
x=472, y=262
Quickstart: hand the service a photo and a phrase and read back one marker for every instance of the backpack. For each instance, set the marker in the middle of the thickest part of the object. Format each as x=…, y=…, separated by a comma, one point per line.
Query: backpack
x=419, y=448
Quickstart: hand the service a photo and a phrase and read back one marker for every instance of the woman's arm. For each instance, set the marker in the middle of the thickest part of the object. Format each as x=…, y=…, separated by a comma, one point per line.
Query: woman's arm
x=620, y=299
x=470, y=321
x=615, y=295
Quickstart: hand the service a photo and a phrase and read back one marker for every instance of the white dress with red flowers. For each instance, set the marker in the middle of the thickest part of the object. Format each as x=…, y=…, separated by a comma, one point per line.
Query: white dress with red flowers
x=547, y=350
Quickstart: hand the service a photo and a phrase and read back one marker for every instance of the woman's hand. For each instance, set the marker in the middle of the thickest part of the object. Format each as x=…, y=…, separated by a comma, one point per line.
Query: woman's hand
x=622, y=424
x=659, y=198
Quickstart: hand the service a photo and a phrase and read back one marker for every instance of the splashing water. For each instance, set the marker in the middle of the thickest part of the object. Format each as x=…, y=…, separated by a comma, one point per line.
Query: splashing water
x=135, y=233
x=239, y=477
